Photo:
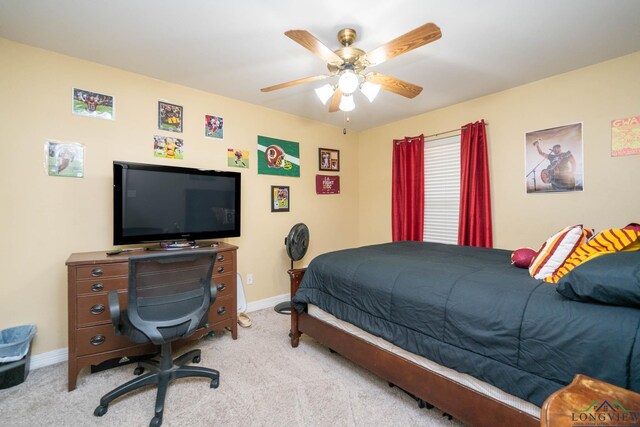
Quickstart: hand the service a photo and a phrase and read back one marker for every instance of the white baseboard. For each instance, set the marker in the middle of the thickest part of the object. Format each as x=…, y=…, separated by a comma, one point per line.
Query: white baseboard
x=49, y=358
x=60, y=355
x=267, y=302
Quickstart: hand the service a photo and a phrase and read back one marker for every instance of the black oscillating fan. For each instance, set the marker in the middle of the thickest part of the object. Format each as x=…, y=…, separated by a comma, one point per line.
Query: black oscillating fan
x=296, y=243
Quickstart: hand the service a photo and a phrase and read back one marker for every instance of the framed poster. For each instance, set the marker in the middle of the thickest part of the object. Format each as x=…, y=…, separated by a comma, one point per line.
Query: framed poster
x=169, y=117
x=278, y=157
x=327, y=184
x=328, y=159
x=280, y=198
x=92, y=104
x=553, y=159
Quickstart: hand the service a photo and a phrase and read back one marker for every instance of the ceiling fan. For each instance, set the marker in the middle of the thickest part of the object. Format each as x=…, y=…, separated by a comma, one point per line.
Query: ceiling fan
x=350, y=63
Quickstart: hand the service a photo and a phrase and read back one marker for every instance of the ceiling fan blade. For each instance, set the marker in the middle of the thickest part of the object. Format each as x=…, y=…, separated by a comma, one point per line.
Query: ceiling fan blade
x=394, y=85
x=335, y=101
x=293, y=83
x=308, y=41
x=403, y=44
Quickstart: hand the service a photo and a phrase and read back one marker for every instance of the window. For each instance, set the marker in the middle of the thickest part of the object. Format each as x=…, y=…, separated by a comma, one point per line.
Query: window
x=441, y=190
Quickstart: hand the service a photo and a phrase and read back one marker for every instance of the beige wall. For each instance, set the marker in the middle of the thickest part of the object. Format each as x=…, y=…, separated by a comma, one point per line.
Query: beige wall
x=594, y=95
x=44, y=219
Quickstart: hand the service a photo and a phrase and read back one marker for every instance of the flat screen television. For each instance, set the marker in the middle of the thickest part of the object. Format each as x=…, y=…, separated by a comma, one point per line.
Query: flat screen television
x=153, y=203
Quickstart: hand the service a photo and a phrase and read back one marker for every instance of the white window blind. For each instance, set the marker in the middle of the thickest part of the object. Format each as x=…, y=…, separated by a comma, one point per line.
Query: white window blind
x=441, y=190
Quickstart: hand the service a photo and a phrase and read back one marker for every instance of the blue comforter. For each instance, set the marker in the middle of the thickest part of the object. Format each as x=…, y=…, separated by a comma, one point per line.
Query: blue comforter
x=470, y=310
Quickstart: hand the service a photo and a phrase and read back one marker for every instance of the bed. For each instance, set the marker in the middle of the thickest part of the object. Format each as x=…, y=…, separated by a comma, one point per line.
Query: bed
x=462, y=329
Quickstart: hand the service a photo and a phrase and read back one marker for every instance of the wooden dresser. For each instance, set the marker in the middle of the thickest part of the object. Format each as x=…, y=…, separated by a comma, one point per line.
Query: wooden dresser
x=91, y=275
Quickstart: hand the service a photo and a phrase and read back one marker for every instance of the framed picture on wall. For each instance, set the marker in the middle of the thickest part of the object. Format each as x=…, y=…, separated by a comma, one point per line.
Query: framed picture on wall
x=280, y=198
x=553, y=159
x=328, y=159
x=169, y=117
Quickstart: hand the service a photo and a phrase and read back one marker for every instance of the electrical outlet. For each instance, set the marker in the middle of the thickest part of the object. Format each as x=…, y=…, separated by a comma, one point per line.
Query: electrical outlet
x=250, y=279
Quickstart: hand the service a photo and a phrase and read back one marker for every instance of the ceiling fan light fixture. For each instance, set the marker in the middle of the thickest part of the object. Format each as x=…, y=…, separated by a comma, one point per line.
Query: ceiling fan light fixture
x=348, y=82
x=346, y=103
x=370, y=90
x=325, y=92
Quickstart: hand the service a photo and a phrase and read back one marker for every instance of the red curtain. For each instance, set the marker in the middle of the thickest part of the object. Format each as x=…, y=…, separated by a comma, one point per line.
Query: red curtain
x=407, y=192
x=474, y=227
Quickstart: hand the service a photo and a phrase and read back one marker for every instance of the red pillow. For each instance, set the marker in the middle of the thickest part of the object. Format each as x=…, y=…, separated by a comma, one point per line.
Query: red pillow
x=522, y=257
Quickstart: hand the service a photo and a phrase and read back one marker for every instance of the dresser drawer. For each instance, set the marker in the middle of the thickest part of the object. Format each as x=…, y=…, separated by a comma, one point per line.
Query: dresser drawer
x=95, y=271
x=221, y=310
x=98, y=339
x=226, y=284
x=98, y=285
x=225, y=262
x=225, y=257
x=92, y=309
x=221, y=268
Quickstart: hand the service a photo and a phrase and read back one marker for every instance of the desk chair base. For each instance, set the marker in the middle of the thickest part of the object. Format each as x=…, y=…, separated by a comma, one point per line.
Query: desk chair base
x=161, y=373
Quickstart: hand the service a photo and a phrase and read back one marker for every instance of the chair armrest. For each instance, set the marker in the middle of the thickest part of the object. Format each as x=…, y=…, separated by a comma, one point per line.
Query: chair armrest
x=114, y=310
x=214, y=291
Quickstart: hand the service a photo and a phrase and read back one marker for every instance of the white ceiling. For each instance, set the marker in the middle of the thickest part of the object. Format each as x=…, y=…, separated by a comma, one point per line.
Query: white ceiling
x=234, y=48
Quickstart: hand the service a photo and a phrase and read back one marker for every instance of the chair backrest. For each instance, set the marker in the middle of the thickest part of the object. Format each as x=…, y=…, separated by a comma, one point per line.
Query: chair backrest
x=169, y=293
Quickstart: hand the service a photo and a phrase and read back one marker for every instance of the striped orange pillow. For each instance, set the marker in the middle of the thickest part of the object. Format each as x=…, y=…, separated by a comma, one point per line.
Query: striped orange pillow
x=605, y=242
x=556, y=249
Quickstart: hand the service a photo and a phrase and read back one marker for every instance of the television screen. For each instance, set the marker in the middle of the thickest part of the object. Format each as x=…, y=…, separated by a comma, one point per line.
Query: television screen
x=161, y=203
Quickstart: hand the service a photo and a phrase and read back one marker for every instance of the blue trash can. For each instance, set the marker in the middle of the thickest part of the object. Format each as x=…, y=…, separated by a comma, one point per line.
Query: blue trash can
x=15, y=354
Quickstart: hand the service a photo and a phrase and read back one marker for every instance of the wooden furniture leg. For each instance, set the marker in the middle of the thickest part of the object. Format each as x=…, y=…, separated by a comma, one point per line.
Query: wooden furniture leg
x=295, y=276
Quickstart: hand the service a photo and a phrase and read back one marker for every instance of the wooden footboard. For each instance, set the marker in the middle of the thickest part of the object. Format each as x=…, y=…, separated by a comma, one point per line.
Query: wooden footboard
x=463, y=403
x=460, y=401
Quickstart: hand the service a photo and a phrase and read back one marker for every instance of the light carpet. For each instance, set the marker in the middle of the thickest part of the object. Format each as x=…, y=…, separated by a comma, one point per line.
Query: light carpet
x=263, y=382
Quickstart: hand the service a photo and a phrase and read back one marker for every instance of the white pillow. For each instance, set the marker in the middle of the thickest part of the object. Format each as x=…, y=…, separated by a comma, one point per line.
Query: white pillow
x=556, y=250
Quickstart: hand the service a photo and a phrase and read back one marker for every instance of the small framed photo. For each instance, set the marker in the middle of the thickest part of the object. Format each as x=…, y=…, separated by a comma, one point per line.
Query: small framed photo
x=280, y=198
x=329, y=160
x=169, y=117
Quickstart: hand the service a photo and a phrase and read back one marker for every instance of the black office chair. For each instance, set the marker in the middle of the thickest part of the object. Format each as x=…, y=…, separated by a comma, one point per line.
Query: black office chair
x=169, y=298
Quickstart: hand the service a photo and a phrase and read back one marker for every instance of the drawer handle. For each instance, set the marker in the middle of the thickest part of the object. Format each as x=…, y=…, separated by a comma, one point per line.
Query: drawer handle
x=221, y=287
x=220, y=269
x=220, y=257
x=222, y=311
x=98, y=339
x=96, y=272
x=97, y=287
x=97, y=309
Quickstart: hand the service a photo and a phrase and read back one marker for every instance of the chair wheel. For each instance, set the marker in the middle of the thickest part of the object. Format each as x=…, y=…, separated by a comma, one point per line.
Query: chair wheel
x=100, y=410
x=196, y=359
x=155, y=422
x=215, y=383
x=138, y=371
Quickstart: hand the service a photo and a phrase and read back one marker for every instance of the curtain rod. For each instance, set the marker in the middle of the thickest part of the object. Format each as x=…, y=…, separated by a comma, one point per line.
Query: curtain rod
x=449, y=131
x=399, y=141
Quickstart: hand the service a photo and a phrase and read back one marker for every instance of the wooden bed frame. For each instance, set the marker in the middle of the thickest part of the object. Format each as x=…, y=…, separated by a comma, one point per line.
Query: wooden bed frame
x=463, y=403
